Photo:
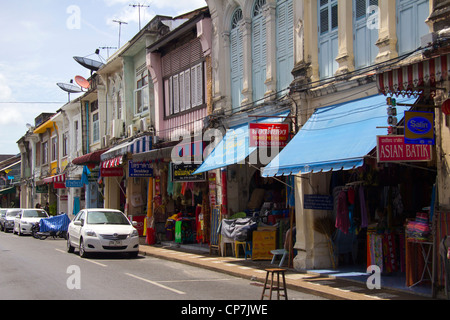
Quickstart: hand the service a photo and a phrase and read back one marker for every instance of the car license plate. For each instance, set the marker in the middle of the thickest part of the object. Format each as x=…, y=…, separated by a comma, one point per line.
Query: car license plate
x=115, y=243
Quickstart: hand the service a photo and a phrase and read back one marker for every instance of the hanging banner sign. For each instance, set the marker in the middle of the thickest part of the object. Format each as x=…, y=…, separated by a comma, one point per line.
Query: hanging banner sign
x=268, y=134
x=393, y=148
x=184, y=173
x=139, y=169
x=111, y=172
x=419, y=127
x=74, y=184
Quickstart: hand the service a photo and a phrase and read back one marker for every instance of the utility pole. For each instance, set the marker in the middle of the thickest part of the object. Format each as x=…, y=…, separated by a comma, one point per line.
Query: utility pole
x=120, y=27
x=139, y=6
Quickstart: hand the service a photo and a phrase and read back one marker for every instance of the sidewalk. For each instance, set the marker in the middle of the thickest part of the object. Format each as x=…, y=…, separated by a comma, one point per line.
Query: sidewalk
x=322, y=285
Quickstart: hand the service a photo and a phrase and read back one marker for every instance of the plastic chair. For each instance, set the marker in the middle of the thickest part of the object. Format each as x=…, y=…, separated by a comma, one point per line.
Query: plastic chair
x=279, y=252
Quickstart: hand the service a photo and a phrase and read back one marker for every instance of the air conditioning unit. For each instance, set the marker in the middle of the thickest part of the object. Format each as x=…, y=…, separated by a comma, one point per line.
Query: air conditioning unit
x=105, y=141
x=144, y=123
x=132, y=130
x=117, y=128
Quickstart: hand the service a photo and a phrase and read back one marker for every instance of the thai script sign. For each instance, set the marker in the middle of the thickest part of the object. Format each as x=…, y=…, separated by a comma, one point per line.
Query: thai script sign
x=74, y=184
x=268, y=134
x=393, y=148
x=139, y=169
x=419, y=128
x=184, y=173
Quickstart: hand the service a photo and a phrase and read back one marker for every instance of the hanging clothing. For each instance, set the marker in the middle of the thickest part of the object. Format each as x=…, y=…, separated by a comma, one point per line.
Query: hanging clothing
x=362, y=202
x=342, y=213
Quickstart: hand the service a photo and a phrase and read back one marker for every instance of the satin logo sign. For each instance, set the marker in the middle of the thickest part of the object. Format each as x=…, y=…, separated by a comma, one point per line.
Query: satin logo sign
x=419, y=127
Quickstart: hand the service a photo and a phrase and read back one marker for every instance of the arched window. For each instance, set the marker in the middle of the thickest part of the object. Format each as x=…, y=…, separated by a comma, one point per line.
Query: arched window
x=237, y=57
x=259, y=51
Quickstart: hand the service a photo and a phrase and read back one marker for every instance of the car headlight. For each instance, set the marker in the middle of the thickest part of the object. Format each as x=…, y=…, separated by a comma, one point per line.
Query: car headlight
x=135, y=233
x=91, y=233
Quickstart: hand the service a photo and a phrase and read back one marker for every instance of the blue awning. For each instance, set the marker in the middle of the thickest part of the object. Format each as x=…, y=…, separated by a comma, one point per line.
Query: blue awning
x=235, y=147
x=335, y=137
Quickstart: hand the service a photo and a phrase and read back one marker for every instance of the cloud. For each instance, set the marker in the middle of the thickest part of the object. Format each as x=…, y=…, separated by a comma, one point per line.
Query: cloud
x=5, y=89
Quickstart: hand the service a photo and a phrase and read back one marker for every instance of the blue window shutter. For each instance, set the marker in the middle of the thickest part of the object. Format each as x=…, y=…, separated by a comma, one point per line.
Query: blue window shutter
x=328, y=37
x=285, y=43
x=259, y=54
x=237, y=67
x=411, y=26
x=365, y=49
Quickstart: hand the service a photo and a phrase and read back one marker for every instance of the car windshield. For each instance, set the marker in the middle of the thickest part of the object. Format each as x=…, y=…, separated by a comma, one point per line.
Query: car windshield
x=106, y=217
x=34, y=214
x=12, y=213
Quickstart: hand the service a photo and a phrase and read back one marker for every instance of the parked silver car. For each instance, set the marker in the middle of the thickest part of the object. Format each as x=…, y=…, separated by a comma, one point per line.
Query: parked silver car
x=9, y=219
x=27, y=218
x=2, y=218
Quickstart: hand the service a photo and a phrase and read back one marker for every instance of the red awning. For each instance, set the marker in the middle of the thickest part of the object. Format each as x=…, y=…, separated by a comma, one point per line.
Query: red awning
x=58, y=178
x=93, y=157
x=411, y=80
x=112, y=163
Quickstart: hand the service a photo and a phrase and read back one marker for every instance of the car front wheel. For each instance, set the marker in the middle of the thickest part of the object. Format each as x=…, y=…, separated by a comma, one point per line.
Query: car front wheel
x=83, y=253
x=70, y=249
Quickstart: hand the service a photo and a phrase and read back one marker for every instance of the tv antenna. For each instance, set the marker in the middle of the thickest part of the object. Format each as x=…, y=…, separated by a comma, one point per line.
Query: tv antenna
x=139, y=6
x=120, y=27
x=107, y=49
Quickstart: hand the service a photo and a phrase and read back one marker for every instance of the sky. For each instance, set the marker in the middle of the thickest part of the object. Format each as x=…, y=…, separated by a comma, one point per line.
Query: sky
x=38, y=40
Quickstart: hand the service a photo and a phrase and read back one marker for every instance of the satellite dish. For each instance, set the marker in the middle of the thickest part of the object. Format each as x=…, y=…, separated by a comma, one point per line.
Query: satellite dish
x=82, y=82
x=88, y=63
x=68, y=87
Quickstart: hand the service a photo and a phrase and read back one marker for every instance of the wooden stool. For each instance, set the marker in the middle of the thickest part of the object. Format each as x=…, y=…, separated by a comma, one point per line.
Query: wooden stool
x=276, y=288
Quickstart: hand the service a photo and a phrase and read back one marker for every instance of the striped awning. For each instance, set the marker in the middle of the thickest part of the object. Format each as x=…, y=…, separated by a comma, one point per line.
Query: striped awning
x=57, y=178
x=112, y=163
x=414, y=79
x=138, y=145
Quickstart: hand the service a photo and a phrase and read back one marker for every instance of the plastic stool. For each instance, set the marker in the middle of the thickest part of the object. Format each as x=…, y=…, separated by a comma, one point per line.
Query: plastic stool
x=276, y=288
x=236, y=247
x=248, y=249
x=279, y=252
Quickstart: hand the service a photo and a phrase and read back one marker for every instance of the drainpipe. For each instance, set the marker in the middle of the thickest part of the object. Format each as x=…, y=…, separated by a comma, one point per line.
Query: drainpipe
x=87, y=127
x=88, y=186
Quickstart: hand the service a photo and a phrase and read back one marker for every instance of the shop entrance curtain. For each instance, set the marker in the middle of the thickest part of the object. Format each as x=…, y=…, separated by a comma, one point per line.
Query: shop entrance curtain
x=335, y=137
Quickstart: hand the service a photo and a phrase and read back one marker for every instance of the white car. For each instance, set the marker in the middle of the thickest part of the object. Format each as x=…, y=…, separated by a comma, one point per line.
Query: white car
x=102, y=230
x=8, y=220
x=26, y=218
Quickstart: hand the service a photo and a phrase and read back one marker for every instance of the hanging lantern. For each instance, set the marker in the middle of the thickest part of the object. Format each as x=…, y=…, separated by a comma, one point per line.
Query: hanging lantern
x=446, y=107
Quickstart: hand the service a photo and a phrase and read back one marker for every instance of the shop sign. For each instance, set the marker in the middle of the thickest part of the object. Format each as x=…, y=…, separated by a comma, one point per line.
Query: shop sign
x=111, y=172
x=419, y=127
x=393, y=148
x=74, y=184
x=268, y=134
x=59, y=185
x=139, y=169
x=42, y=188
x=318, y=202
x=184, y=173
